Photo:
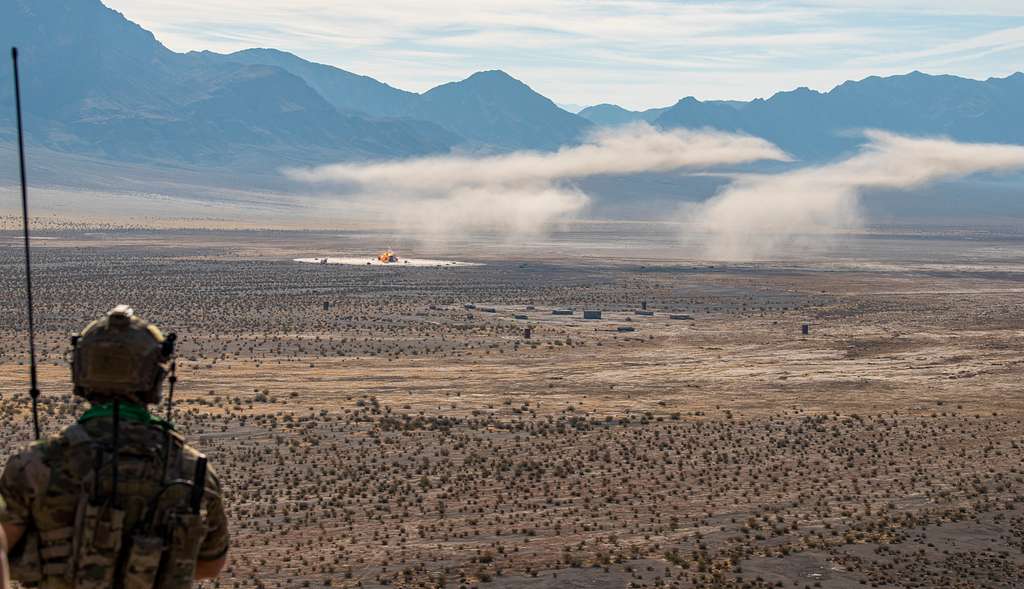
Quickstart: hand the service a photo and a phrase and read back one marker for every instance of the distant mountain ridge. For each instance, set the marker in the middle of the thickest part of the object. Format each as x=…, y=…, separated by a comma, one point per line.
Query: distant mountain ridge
x=343, y=89
x=490, y=109
x=823, y=125
x=98, y=85
x=493, y=108
x=613, y=115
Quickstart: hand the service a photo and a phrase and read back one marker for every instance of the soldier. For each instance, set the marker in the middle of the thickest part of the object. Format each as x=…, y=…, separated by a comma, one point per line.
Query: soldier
x=117, y=499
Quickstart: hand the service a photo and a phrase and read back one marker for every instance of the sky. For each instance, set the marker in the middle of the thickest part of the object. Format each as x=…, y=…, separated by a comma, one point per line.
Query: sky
x=635, y=53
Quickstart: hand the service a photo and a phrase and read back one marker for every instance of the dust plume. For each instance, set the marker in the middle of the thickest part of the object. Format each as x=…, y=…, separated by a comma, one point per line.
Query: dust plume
x=522, y=192
x=768, y=216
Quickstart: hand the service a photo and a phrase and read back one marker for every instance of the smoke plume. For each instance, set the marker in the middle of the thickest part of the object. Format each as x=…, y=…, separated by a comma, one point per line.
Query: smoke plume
x=763, y=217
x=522, y=192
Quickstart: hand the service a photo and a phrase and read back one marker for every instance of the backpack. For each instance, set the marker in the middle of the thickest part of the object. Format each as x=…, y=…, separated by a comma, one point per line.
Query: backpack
x=143, y=531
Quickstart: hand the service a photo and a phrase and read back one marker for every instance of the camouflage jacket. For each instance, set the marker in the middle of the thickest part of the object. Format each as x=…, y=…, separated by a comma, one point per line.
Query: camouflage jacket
x=60, y=490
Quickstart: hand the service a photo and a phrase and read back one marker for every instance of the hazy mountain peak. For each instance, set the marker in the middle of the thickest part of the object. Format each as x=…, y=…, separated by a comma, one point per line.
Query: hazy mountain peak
x=489, y=107
x=803, y=93
x=611, y=115
x=99, y=85
x=266, y=50
x=606, y=105
x=488, y=80
x=815, y=126
x=47, y=25
x=494, y=108
x=102, y=85
x=345, y=90
x=498, y=75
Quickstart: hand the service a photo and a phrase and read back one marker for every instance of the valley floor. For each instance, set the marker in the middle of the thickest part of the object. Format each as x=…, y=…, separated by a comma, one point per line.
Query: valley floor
x=394, y=426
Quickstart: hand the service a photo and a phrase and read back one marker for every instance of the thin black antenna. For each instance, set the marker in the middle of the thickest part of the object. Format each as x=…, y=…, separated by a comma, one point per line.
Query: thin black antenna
x=170, y=389
x=167, y=422
x=117, y=452
x=34, y=380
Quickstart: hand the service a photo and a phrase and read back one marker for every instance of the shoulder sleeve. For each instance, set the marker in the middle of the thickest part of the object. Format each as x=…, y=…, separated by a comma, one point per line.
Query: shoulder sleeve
x=217, y=540
x=24, y=479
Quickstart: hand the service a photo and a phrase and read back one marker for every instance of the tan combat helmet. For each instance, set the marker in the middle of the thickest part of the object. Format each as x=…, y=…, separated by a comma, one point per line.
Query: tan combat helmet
x=120, y=357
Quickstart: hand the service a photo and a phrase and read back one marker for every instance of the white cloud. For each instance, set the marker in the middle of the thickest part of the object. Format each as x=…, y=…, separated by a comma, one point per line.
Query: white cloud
x=739, y=49
x=959, y=50
x=763, y=217
x=1005, y=8
x=521, y=192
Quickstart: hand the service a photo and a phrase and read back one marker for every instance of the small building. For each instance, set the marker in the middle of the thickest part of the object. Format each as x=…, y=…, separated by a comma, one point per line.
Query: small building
x=591, y=314
x=562, y=312
x=488, y=310
x=680, y=317
x=520, y=317
x=625, y=328
x=645, y=313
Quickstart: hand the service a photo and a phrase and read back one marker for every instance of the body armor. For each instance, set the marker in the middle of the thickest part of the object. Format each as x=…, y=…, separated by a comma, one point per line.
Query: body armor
x=85, y=536
x=117, y=499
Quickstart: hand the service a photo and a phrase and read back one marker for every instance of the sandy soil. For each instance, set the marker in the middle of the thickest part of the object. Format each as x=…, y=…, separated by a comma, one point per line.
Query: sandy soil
x=379, y=428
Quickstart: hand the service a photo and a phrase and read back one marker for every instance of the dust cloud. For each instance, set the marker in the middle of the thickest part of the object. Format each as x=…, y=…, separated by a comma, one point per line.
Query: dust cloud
x=523, y=192
x=761, y=217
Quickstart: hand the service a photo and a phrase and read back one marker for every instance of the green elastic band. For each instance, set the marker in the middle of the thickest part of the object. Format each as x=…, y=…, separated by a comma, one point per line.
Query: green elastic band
x=129, y=412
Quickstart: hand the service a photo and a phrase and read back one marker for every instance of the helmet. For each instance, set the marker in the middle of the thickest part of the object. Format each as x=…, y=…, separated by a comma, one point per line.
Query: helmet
x=120, y=357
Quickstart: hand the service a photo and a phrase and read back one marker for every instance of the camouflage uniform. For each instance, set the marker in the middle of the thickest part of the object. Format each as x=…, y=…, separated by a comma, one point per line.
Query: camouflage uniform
x=44, y=487
x=83, y=530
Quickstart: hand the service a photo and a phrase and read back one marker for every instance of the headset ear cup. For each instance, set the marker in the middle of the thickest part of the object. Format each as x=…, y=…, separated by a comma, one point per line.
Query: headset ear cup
x=73, y=363
x=167, y=348
x=154, y=392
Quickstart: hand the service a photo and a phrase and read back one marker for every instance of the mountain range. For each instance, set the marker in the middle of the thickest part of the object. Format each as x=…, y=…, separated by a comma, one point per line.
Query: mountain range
x=488, y=110
x=821, y=125
x=97, y=85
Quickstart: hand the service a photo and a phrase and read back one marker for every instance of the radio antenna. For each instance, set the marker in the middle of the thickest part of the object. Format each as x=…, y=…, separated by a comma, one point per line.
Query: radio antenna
x=34, y=381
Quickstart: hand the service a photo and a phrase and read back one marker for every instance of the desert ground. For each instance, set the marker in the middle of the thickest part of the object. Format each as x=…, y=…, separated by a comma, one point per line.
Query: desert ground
x=396, y=426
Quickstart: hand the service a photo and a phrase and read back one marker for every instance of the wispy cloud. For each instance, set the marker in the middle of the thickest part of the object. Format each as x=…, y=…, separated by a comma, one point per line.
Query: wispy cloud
x=1001, y=8
x=763, y=217
x=563, y=47
x=525, y=191
x=959, y=50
